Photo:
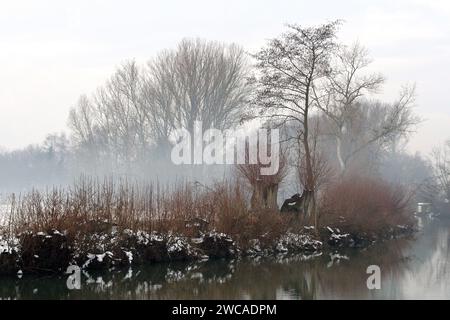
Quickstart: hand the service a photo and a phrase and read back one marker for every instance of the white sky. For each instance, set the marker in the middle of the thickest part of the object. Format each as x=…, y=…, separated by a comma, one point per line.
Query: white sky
x=51, y=52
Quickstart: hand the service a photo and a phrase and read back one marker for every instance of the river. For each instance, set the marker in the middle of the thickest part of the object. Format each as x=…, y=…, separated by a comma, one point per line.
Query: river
x=410, y=269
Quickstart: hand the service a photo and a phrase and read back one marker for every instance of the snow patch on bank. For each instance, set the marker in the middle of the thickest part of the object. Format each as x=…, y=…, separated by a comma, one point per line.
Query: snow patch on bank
x=9, y=245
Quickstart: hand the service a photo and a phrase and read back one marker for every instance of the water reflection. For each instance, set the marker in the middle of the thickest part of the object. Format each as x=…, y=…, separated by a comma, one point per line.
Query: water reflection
x=411, y=269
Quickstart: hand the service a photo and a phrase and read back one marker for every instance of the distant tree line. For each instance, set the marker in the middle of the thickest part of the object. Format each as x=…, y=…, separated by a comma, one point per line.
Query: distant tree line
x=36, y=166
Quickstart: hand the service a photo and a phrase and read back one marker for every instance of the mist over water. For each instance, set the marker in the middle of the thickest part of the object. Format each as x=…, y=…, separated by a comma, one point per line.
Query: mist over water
x=411, y=269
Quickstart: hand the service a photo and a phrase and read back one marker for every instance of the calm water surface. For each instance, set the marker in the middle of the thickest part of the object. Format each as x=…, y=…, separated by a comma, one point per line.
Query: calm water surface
x=411, y=269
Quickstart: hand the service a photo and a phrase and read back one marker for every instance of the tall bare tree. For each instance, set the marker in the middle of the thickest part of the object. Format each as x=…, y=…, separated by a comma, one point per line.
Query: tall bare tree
x=353, y=121
x=288, y=68
x=200, y=81
x=114, y=121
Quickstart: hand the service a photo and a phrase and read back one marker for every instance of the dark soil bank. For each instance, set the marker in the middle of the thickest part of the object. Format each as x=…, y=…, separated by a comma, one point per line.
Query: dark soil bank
x=53, y=251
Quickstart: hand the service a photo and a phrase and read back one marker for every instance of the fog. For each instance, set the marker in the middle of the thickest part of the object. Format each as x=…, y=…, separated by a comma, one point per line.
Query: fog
x=53, y=52
x=95, y=87
x=266, y=135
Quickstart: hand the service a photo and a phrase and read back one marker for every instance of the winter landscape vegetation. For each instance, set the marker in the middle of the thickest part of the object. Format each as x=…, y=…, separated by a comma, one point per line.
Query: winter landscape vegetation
x=107, y=196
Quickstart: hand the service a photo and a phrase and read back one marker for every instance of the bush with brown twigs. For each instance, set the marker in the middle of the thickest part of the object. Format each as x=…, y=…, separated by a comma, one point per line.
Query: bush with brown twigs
x=92, y=206
x=364, y=204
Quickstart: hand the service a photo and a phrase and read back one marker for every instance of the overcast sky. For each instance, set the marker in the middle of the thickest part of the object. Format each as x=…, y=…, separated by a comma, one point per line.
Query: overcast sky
x=51, y=52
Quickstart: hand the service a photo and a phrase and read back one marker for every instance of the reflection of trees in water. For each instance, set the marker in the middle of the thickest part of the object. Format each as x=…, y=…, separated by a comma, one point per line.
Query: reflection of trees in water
x=438, y=263
x=348, y=278
x=429, y=276
x=296, y=277
x=32, y=288
x=292, y=278
x=209, y=280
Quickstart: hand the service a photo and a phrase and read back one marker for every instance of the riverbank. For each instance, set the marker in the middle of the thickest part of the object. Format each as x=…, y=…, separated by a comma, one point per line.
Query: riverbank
x=102, y=225
x=411, y=269
x=52, y=252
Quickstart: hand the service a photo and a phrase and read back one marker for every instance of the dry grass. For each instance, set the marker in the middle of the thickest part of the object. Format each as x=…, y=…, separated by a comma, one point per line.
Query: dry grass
x=90, y=205
x=365, y=204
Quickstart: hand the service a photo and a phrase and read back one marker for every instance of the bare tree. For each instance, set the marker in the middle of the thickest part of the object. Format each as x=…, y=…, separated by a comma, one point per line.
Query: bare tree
x=159, y=102
x=114, y=120
x=354, y=122
x=121, y=115
x=264, y=187
x=83, y=125
x=288, y=68
x=199, y=81
x=441, y=164
x=81, y=121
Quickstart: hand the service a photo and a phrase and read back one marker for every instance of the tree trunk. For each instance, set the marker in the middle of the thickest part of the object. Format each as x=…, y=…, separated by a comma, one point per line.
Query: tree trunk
x=264, y=196
x=342, y=164
x=271, y=198
x=309, y=203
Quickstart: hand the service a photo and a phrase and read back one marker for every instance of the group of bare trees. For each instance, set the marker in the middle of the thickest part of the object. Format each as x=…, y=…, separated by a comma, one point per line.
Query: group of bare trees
x=288, y=69
x=305, y=81
x=131, y=118
x=353, y=121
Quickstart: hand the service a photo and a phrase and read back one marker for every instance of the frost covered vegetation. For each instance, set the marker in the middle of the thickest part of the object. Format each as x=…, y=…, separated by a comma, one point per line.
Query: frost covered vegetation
x=104, y=225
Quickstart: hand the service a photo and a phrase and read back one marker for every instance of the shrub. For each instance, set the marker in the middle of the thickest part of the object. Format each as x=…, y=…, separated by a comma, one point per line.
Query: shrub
x=364, y=204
